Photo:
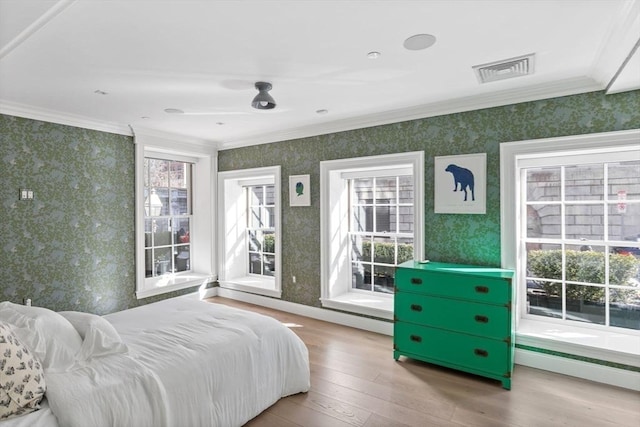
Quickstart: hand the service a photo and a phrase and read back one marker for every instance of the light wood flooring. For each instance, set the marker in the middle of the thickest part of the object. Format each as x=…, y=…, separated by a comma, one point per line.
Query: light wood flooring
x=356, y=382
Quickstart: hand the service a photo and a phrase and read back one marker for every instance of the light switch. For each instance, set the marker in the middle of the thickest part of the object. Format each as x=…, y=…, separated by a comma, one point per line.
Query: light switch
x=26, y=194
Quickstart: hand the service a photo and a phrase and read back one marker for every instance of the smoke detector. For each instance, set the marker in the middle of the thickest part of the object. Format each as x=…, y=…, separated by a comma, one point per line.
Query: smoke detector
x=505, y=69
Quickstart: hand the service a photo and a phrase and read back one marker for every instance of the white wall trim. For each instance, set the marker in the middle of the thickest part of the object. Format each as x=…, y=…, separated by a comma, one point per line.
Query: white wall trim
x=576, y=368
x=364, y=323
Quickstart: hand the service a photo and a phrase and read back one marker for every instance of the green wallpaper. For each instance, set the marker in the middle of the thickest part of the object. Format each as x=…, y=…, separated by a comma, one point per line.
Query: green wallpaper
x=472, y=239
x=73, y=246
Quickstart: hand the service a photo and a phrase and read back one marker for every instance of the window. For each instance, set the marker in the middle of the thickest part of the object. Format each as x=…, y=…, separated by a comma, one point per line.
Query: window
x=371, y=220
x=174, y=216
x=380, y=229
x=582, y=238
x=261, y=237
x=168, y=216
x=249, y=226
x=570, y=228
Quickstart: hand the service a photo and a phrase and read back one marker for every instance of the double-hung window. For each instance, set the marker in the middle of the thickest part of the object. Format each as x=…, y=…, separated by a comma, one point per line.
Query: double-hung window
x=249, y=230
x=168, y=216
x=571, y=230
x=174, y=215
x=371, y=221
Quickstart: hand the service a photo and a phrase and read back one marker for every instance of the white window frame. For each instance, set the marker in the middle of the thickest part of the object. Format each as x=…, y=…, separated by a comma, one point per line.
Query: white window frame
x=232, y=231
x=621, y=346
x=336, y=290
x=202, y=251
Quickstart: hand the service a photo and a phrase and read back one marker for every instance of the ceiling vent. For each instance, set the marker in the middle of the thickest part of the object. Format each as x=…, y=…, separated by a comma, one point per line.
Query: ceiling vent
x=509, y=68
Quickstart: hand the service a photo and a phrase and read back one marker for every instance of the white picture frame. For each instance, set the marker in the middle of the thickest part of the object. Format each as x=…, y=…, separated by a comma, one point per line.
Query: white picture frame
x=299, y=190
x=460, y=184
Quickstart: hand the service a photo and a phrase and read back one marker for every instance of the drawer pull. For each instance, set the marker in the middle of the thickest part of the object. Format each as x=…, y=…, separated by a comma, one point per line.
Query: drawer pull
x=482, y=289
x=480, y=352
x=415, y=338
x=416, y=307
x=481, y=319
x=416, y=281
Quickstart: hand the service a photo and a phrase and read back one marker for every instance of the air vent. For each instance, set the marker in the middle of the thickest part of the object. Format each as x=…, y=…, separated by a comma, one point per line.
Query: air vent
x=509, y=68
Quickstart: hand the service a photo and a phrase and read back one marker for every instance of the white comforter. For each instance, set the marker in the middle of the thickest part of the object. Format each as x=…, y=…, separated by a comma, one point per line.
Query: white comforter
x=186, y=363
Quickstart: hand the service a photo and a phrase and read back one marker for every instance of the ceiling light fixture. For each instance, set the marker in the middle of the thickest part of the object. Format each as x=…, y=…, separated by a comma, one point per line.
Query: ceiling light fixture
x=173, y=111
x=419, y=42
x=263, y=101
x=322, y=111
x=100, y=92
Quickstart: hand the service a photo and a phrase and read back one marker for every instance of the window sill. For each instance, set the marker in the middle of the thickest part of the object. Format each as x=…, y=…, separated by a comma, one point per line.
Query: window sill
x=253, y=284
x=172, y=282
x=360, y=303
x=616, y=347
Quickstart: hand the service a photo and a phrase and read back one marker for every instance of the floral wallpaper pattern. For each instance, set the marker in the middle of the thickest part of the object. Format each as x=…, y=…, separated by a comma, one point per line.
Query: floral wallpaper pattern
x=471, y=239
x=73, y=246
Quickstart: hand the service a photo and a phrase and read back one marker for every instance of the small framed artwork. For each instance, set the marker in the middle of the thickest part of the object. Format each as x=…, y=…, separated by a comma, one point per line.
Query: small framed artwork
x=299, y=190
x=460, y=184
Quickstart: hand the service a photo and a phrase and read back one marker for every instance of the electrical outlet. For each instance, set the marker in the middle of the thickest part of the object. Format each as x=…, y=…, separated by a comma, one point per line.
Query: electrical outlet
x=27, y=302
x=25, y=194
x=293, y=279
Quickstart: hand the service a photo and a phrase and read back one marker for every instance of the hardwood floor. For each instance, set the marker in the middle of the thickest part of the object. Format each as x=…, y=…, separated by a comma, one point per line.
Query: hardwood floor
x=356, y=382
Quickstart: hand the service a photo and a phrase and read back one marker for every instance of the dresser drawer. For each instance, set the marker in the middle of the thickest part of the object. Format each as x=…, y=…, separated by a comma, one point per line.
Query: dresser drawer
x=452, y=348
x=475, y=288
x=486, y=320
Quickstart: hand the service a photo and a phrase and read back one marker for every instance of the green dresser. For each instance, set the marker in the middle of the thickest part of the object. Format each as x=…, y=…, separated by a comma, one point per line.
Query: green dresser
x=458, y=316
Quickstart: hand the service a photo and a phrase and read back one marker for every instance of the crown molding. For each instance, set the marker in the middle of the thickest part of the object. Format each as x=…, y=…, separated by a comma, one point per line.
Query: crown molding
x=29, y=112
x=555, y=89
x=143, y=134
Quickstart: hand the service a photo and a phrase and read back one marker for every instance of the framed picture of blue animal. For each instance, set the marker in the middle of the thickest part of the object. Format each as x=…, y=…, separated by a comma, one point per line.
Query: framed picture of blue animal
x=460, y=184
x=299, y=190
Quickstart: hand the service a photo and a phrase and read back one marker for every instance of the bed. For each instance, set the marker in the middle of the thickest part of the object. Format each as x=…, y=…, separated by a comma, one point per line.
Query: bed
x=178, y=362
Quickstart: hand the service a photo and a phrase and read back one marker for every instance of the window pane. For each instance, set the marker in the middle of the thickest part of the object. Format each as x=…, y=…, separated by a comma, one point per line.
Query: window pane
x=385, y=219
x=624, y=269
x=624, y=180
x=544, y=221
x=584, y=222
x=362, y=219
x=161, y=232
x=362, y=190
x=180, y=202
x=584, y=182
x=405, y=250
x=584, y=263
x=383, y=279
x=255, y=263
x=360, y=250
x=158, y=173
x=270, y=196
x=361, y=276
x=183, y=258
x=406, y=189
x=624, y=308
x=256, y=196
x=624, y=222
x=255, y=241
x=148, y=263
x=182, y=225
x=179, y=175
x=543, y=184
x=386, y=191
x=269, y=265
x=162, y=262
x=269, y=217
x=269, y=242
x=586, y=304
x=385, y=250
x=255, y=217
x=405, y=220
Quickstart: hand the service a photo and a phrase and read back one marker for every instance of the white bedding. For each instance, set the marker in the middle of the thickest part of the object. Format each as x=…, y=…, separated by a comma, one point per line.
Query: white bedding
x=184, y=363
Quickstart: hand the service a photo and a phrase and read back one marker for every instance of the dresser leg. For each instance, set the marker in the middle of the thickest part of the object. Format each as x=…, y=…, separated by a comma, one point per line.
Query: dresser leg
x=506, y=384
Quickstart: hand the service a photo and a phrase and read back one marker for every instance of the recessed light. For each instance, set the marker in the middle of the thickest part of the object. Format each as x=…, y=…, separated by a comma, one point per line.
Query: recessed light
x=173, y=111
x=220, y=123
x=100, y=92
x=373, y=55
x=419, y=42
x=145, y=117
x=322, y=111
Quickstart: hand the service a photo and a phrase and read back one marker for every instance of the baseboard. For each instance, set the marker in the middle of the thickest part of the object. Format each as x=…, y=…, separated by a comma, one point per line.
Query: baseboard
x=358, y=322
x=561, y=365
x=577, y=368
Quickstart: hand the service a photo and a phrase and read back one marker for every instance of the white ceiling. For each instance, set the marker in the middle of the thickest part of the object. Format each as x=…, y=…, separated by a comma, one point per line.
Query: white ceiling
x=203, y=57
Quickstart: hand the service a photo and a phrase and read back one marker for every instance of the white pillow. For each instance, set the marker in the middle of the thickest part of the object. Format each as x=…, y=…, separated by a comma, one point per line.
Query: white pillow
x=22, y=385
x=99, y=336
x=51, y=338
